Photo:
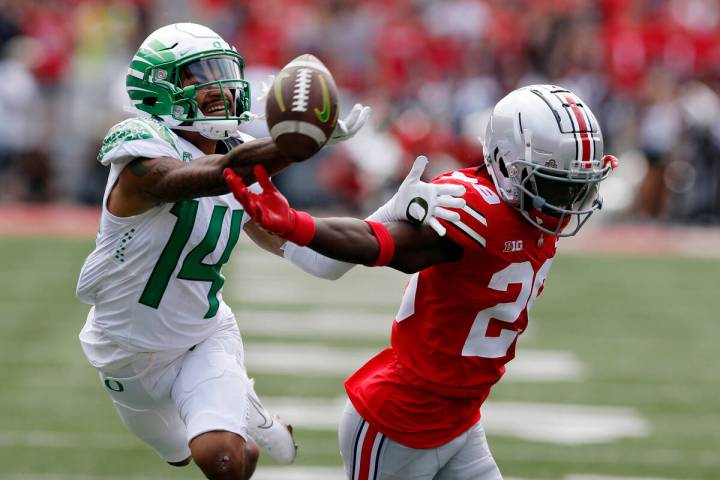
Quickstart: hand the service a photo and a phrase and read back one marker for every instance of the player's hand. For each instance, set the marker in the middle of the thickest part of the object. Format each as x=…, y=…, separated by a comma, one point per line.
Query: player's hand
x=420, y=202
x=350, y=125
x=269, y=209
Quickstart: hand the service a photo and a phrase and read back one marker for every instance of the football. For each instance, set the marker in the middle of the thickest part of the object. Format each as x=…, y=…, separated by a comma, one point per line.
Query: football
x=302, y=107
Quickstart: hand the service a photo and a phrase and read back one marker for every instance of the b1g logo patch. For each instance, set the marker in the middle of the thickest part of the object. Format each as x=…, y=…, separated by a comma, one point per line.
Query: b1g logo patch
x=513, y=246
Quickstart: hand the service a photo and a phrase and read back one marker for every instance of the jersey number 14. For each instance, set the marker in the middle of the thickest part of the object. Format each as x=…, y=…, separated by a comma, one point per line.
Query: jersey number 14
x=193, y=267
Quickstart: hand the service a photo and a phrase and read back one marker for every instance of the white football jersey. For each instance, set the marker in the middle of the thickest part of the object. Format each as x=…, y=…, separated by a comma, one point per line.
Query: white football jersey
x=154, y=279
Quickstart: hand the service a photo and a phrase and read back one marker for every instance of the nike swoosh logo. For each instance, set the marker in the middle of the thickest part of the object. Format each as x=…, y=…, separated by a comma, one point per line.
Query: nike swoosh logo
x=278, y=90
x=259, y=409
x=324, y=116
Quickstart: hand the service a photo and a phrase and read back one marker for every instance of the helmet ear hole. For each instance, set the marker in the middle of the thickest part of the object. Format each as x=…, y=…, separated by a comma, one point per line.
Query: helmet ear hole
x=503, y=168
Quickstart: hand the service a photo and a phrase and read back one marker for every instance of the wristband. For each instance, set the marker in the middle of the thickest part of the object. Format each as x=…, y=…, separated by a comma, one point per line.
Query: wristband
x=304, y=230
x=385, y=242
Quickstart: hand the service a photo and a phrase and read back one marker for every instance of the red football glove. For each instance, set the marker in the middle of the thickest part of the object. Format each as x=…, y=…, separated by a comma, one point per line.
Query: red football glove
x=270, y=209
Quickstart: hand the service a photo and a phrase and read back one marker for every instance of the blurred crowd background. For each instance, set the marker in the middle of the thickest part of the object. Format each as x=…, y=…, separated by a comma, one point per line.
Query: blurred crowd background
x=431, y=70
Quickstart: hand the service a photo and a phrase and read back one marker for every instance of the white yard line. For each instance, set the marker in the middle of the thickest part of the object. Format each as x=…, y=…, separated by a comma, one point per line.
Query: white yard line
x=319, y=323
x=299, y=473
x=74, y=476
x=307, y=359
x=604, y=477
x=549, y=423
x=303, y=359
x=542, y=422
x=271, y=473
x=309, y=473
x=563, y=424
x=72, y=440
x=316, y=323
x=650, y=239
x=262, y=473
x=544, y=366
x=259, y=277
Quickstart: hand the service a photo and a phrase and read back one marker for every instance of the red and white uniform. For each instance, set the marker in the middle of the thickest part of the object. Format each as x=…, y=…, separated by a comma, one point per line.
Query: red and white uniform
x=458, y=323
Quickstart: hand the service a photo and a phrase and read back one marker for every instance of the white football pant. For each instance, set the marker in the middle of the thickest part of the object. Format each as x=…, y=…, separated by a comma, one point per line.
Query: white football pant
x=168, y=399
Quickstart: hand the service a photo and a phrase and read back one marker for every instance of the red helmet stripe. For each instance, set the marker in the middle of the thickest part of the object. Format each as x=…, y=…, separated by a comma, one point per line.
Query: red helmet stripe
x=583, y=126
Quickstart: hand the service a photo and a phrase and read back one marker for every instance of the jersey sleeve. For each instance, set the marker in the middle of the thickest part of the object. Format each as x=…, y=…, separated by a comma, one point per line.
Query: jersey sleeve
x=137, y=138
x=472, y=230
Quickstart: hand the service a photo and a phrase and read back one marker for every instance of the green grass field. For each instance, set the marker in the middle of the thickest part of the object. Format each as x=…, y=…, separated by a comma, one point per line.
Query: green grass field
x=645, y=329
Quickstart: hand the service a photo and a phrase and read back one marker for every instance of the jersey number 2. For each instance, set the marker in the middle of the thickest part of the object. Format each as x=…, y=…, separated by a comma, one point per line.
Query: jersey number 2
x=478, y=344
x=192, y=267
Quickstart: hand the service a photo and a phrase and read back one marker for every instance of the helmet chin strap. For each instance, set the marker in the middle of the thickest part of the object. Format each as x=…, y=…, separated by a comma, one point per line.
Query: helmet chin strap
x=209, y=130
x=216, y=129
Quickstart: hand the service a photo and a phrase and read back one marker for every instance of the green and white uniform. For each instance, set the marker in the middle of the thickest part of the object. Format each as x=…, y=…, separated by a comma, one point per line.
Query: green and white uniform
x=154, y=279
x=167, y=347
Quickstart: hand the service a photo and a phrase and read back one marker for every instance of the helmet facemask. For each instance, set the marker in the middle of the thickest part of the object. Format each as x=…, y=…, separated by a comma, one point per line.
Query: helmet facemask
x=552, y=198
x=225, y=96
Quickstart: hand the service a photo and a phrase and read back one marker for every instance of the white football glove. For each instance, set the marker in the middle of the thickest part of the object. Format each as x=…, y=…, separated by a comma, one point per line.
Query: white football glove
x=350, y=125
x=420, y=202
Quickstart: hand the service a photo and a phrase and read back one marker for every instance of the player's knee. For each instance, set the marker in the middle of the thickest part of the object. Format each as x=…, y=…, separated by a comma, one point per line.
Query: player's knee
x=252, y=452
x=223, y=456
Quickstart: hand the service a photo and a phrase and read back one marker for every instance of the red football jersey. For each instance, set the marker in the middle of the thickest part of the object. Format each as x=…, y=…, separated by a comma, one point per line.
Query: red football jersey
x=458, y=323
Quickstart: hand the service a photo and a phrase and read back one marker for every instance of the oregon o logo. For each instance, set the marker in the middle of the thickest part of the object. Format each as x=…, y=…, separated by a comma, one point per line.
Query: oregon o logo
x=114, y=385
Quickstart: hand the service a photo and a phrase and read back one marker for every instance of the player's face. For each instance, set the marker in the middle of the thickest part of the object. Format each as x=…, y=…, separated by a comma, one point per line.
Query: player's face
x=218, y=88
x=562, y=194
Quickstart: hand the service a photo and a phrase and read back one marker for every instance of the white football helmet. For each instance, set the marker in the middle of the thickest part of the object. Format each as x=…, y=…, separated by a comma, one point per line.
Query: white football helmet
x=175, y=53
x=544, y=150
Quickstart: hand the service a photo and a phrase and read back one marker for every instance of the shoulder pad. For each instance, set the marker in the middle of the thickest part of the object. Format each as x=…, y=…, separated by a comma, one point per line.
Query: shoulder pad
x=134, y=129
x=472, y=230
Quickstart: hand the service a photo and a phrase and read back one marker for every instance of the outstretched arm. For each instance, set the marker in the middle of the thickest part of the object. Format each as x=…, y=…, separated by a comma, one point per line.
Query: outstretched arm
x=401, y=245
x=314, y=263
x=352, y=240
x=146, y=182
x=415, y=202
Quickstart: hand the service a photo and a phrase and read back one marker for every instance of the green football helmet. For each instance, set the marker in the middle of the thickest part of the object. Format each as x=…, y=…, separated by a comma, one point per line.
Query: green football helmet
x=178, y=61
